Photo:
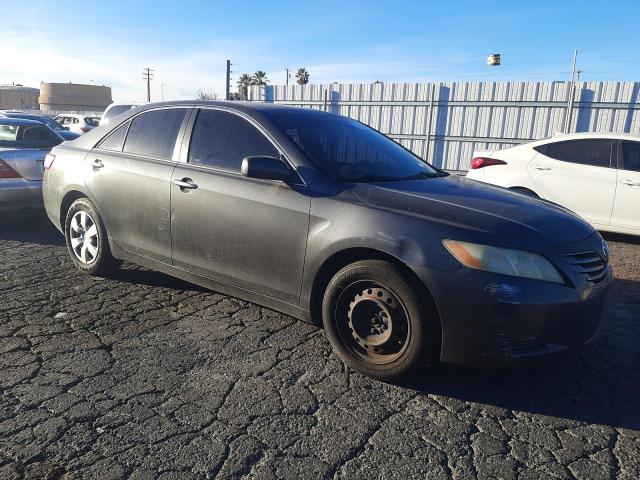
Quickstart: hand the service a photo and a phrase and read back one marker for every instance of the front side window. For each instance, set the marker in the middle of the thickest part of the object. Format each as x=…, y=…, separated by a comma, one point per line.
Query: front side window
x=347, y=150
x=221, y=140
x=154, y=133
x=631, y=156
x=115, y=140
x=596, y=153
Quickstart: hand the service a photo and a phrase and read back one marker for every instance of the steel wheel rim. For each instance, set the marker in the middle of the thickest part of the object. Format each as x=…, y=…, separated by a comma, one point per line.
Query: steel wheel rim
x=83, y=237
x=372, y=322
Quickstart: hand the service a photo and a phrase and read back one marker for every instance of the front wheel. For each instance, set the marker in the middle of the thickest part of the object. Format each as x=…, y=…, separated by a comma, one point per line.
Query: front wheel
x=87, y=241
x=375, y=322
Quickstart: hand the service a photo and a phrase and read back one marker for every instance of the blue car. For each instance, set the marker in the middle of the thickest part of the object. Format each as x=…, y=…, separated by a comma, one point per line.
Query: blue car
x=48, y=121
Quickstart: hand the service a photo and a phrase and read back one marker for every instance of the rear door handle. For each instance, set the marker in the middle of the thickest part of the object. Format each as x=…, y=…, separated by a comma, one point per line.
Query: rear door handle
x=631, y=183
x=541, y=167
x=185, y=183
x=97, y=163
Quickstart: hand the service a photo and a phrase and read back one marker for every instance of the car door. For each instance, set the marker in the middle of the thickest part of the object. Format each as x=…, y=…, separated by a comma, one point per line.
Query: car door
x=579, y=175
x=129, y=174
x=626, y=209
x=242, y=231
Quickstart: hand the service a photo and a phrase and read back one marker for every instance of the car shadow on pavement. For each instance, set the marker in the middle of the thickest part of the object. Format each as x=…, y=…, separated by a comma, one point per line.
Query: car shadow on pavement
x=599, y=384
x=35, y=228
x=139, y=276
x=621, y=237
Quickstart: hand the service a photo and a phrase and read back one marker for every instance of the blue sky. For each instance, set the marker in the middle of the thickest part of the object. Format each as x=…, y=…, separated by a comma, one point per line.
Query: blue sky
x=187, y=43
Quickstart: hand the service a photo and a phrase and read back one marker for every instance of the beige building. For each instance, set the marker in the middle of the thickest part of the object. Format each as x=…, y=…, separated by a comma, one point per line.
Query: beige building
x=18, y=97
x=74, y=97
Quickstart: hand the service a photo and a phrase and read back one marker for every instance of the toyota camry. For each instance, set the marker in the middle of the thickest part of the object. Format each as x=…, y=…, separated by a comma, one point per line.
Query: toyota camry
x=326, y=219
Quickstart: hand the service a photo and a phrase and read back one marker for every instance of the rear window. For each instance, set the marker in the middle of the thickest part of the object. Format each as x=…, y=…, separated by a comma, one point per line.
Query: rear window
x=28, y=136
x=596, y=153
x=92, y=121
x=154, y=133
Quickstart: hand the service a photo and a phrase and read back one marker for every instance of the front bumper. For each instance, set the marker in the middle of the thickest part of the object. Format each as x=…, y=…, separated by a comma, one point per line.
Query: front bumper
x=491, y=320
x=19, y=195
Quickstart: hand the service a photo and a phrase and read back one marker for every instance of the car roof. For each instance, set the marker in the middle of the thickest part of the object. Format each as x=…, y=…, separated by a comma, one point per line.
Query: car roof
x=584, y=135
x=18, y=121
x=243, y=106
x=25, y=115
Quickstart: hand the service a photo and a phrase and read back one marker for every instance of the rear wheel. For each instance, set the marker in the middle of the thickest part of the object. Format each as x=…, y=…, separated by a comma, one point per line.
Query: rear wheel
x=87, y=240
x=375, y=322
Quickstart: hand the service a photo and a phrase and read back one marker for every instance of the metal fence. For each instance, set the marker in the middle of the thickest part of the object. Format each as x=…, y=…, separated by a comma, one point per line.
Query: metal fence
x=445, y=122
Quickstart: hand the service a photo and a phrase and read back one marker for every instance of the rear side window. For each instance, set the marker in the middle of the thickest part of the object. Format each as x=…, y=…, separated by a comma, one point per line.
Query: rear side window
x=596, y=153
x=115, y=140
x=154, y=133
x=222, y=140
x=631, y=156
x=28, y=136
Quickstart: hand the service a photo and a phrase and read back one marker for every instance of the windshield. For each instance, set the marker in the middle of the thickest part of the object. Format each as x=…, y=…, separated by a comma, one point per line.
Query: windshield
x=349, y=151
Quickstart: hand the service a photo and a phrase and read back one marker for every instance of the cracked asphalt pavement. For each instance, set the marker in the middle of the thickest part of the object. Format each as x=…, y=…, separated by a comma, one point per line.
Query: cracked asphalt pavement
x=144, y=376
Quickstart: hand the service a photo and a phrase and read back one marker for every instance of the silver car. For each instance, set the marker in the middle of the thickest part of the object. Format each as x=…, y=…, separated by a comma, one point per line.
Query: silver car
x=24, y=145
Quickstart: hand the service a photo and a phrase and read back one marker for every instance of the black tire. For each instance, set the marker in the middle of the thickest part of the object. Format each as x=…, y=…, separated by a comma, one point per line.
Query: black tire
x=525, y=191
x=376, y=323
x=98, y=258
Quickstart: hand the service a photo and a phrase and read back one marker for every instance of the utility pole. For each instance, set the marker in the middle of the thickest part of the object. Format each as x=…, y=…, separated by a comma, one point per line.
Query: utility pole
x=148, y=76
x=228, y=88
x=288, y=75
x=571, y=92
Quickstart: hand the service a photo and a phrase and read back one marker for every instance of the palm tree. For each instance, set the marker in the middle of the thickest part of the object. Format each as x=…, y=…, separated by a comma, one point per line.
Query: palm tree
x=260, y=78
x=302, y=76
x=244, y=82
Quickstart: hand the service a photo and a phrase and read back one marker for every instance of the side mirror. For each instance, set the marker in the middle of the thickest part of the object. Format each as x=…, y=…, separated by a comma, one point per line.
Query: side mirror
x=267, y=168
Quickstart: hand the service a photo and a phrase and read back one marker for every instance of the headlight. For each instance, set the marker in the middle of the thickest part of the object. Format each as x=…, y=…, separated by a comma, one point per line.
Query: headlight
x=506, y=261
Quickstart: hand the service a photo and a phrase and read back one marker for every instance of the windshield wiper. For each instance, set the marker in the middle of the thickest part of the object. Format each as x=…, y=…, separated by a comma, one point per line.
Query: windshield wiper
x=425, y=175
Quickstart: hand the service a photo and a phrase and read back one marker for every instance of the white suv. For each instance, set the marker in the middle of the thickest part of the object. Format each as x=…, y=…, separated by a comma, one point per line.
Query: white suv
x=78, y=123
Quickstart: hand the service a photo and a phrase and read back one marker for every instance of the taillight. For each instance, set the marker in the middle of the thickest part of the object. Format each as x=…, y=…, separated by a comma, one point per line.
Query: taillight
x=480, y=162
x=7, y=172
x=85, y=129
x=48, y=161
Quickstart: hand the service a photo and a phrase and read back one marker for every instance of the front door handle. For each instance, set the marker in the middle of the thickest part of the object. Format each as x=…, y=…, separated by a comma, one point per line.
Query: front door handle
x=631, y=183
x=97, y=163
x=541, y=167
x=185, y=183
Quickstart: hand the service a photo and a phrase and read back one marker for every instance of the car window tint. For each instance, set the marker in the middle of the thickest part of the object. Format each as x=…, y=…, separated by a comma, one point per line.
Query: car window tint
x=154, y=133
x=222, y=140
x=115, y=140
x=28, y=136
x=631, y=156
x=586, y=152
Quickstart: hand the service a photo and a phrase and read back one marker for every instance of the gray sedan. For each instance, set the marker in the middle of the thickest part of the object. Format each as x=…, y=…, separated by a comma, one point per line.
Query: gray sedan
x=328, y=220
x=23, y=147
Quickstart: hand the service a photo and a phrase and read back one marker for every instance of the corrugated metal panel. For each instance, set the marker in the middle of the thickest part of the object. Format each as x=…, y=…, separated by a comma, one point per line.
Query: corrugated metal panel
x=466, y=116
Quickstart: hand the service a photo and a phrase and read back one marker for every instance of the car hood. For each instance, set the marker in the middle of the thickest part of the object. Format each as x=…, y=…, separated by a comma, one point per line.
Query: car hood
x=480, y=212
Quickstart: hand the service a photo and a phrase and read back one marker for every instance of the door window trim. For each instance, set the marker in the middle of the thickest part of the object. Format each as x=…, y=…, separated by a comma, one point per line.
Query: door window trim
x=186, y=144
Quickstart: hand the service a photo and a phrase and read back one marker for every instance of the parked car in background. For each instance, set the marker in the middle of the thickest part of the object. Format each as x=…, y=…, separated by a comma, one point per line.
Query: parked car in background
x=78, y=123
x=595, y=175
x=48, y=121
x=23, y=147
x=326, y=219
x=114, y=110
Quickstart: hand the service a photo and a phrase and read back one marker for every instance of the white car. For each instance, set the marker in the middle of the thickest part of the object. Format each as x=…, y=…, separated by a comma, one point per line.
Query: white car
x=114, y=110
x=78, y=123
x=595, y=175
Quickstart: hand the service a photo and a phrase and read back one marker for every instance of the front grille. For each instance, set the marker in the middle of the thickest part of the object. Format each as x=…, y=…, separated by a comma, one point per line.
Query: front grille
x=590, y=265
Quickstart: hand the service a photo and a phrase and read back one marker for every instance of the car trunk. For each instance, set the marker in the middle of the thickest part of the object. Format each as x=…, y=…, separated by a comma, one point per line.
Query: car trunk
x=27, y=162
